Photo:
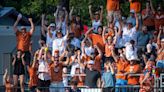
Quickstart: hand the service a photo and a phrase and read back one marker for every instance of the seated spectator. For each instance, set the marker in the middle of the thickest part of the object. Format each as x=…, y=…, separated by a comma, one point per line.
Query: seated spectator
x=108, y=77
x=74, y=87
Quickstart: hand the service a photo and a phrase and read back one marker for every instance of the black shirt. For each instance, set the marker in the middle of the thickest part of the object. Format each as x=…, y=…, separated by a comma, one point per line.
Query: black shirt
x=91, y=78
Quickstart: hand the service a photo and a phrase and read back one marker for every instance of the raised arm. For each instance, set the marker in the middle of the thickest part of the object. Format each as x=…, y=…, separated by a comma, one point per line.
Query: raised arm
x=32, y=26
x=70, y=13
x=159, y=35
x=111, y=68
x=90, y=12
x=16, y=23
x=56, y=13
x=87, y=33
x=114, y=55
x=152, y=8
x=5, y=77
x=66, y=15
x=49, y=32
x=103, y=35
x=22, y=57
x=101, y=13
x=99, y=51
x=137, y=22
x=43, y=27
x=14, y=60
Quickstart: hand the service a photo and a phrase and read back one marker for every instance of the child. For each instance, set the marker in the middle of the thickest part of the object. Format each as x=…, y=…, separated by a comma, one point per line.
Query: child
x=7, y=82
x=65, y=77
x=107, y=77
x=33, y=73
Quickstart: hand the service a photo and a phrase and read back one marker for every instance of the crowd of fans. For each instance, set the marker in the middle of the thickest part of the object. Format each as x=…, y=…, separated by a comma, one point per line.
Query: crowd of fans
x=102, y=56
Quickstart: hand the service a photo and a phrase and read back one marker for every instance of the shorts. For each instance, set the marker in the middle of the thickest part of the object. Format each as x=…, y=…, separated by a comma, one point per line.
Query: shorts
x=43, y=84
x=27, y=57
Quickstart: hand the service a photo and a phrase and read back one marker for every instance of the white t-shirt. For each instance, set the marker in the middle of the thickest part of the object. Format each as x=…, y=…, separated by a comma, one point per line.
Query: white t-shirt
x=49, y=39
x=129, y=51
x=59, y=44
x=76, y=42
x=88, y=50
x=129, y=34
x=43, y=67
x=96, y=24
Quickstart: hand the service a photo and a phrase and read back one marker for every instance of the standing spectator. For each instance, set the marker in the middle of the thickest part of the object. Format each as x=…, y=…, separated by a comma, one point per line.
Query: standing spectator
x=56, y=69
x=160, y=51
x=24, y=39
x=19, y=70
x=51, y=35
x=132, y=17
x=130, y=31
x=43, y=71
x=133, y=69
x=96, y=19
x=159, y=16
x=60, y=42
x=112, y=8
x=148, y=17
x=147, y=79
x=135, y=5
x=96, y=38
x=108, y=77
x=121, y=64
x=65, y=77
x=33, y=73
x=7, y=81
x=61, y=20
x=92, y=79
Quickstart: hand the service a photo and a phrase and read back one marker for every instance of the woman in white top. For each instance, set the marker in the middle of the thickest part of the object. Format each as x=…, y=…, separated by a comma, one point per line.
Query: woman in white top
x=96, y=19
x=43, y=71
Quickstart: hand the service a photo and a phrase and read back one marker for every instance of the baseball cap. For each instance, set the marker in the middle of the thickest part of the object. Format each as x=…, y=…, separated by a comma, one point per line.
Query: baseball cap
x=129, y=21
x=90, y=62
x=52, y=25
x=132, y=11
x=23, y=27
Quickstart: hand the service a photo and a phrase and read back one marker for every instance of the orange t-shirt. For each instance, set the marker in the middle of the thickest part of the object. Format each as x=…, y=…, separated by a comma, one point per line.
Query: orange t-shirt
x=146, y=86
x=98, y=40
x=160, y=21
x=33, y=77
x=160, y=56
x=23, y=41
x=132, y=79
x=121, y=66
x=76, y=30
x=108, y=49
x=112, y=5
x=135, y=5
x=148, y=21
x=56, y=72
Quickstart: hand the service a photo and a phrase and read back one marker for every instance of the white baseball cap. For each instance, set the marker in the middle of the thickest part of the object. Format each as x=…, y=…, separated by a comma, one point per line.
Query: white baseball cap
x=90, y=62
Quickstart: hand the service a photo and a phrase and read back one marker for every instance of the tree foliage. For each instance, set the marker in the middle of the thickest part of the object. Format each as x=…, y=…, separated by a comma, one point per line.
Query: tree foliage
x=34, y=8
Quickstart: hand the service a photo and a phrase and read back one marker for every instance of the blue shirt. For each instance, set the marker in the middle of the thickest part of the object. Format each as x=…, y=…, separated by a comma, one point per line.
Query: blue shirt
x=108, y=79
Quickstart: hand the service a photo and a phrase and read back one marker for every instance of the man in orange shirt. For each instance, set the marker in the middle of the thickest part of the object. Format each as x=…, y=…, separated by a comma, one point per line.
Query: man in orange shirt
x=133, y=69
x=24, y=38
x=112, y=8
x=96, y=38
x=121, y=64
